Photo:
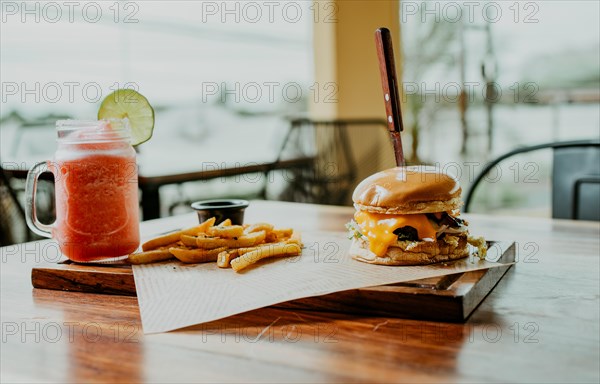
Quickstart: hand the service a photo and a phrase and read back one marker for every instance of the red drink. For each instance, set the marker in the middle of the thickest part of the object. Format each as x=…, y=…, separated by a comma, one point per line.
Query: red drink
x=95, y=174
x=97, y=207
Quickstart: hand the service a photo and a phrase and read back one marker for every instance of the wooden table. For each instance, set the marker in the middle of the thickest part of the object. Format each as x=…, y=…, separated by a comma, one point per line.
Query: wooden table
x=540, y=324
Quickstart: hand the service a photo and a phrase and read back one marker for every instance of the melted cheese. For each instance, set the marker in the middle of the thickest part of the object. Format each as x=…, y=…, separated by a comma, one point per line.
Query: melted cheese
x=379, y=228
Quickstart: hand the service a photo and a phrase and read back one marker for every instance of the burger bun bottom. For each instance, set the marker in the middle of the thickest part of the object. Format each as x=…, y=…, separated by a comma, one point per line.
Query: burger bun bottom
x=417, y=253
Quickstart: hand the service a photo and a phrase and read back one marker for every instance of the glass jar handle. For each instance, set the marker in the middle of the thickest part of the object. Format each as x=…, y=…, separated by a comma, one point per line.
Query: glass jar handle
x=30, y=191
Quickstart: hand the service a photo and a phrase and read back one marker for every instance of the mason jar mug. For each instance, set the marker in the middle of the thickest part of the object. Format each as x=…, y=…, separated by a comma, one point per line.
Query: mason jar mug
x=96, y=189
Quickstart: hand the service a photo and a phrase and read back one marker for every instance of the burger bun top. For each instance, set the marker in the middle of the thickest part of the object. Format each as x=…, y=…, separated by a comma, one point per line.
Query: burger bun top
x=408, y=190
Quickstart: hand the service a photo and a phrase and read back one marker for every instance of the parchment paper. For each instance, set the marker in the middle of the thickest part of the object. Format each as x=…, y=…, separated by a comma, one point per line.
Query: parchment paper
x=174, y=295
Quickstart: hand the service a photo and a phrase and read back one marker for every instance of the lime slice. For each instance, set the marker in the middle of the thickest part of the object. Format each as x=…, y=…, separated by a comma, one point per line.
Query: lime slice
x=127, y=103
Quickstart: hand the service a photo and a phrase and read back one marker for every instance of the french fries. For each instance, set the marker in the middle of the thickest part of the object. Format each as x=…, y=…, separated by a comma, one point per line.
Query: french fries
x=206, y=242
x=149, y=256
x=295, y=238
x=173, y=237
x=229, y=232
x=189, y=241
x=224, y=258
x=259, y=227
x=243, y=251
x=196, y=255
x=230, y=246
x=277, y=235
x=263, y=252
x=161, y=241
x=285, y=232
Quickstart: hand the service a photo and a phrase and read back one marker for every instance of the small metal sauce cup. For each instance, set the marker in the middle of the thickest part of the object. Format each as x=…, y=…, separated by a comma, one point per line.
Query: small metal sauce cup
x=221, y=209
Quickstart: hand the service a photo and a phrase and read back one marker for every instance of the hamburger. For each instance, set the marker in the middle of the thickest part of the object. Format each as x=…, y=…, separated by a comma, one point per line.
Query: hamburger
x=410, y=216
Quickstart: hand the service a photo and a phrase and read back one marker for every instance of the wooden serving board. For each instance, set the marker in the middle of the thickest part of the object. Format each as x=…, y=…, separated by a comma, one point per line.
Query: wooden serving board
x=447, y=298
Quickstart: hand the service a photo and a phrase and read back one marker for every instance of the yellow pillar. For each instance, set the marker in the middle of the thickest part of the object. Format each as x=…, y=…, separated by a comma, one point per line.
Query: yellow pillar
x=345, y=55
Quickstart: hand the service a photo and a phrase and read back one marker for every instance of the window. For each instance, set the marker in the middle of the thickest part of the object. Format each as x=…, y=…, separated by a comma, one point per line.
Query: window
x=202, y=65
x=481, y=78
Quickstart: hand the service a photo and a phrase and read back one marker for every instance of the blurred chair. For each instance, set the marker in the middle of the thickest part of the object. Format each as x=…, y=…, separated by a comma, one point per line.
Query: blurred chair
x=46, y=123
x=12, y=213
x=575, y=178
x=331, y=175
x=314, y=164
x=13, y=228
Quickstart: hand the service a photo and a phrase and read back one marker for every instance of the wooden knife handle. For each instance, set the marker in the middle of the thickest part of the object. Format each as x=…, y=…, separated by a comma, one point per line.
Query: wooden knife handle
x=389, y=83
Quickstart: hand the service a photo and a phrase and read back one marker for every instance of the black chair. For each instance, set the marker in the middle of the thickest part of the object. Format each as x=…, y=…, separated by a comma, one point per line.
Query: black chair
x=13, y=225
x=332, y=173
x=13, y=228
x=314, y=163
x=575, y=178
